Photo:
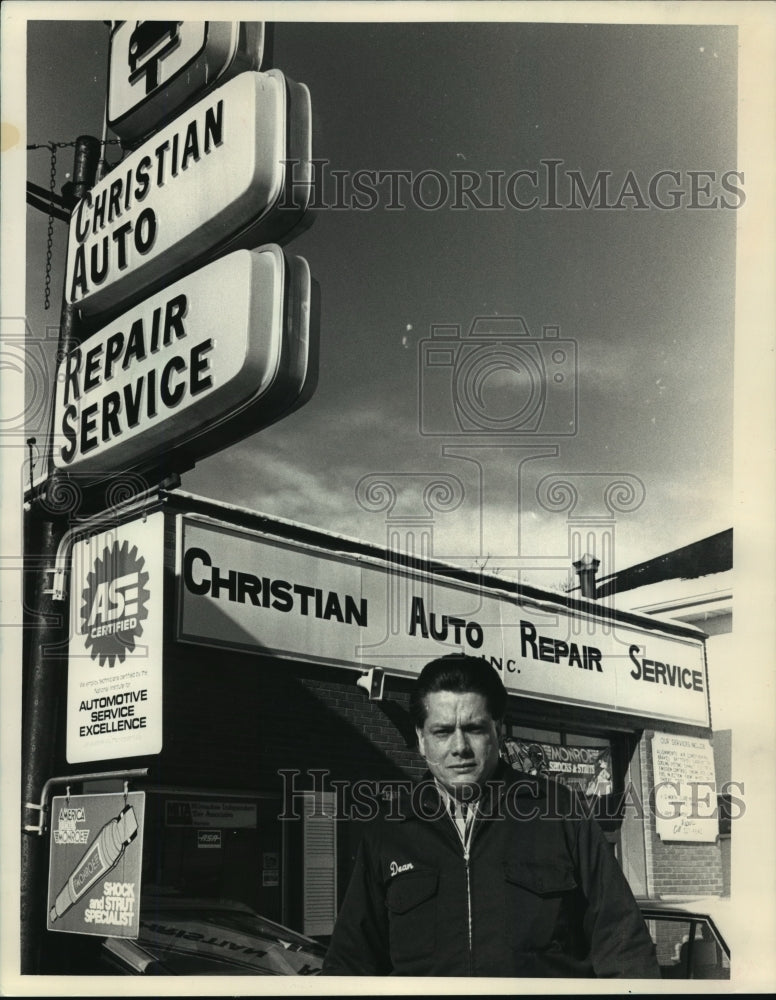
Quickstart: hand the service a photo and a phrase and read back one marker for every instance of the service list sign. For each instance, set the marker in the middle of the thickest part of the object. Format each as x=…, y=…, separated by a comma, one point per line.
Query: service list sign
x=96, y=863
x=114, y=677
x=685, y=788
x=243, y=590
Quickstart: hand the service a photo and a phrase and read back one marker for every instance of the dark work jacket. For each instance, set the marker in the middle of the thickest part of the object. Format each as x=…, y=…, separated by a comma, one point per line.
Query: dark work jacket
x=540, y=895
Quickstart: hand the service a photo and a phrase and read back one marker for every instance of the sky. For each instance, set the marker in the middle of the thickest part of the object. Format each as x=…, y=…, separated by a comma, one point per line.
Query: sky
x=642, y=297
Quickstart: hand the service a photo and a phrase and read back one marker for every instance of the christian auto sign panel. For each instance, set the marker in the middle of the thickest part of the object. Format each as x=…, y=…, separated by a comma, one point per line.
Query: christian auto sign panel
x=228, y=173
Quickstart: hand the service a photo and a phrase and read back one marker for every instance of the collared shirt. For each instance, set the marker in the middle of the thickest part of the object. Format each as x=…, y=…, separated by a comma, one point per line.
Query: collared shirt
x=461, y=813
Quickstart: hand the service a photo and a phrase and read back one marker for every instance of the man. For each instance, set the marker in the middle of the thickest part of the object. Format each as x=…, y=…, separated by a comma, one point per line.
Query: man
x=487, y=872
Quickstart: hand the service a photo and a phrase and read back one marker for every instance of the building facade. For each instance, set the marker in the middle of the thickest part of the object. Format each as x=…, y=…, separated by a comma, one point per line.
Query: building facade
x=260, y=671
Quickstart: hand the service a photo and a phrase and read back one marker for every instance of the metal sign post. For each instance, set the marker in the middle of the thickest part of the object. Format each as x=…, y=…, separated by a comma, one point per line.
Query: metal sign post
x=45, y=631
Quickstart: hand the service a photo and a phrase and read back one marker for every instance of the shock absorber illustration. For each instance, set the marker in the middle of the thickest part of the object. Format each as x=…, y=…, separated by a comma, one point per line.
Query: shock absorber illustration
x=101, y=856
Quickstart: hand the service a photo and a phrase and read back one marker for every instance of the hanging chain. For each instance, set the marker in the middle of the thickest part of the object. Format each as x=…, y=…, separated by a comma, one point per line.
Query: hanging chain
x=50, y=233
x=53, y=147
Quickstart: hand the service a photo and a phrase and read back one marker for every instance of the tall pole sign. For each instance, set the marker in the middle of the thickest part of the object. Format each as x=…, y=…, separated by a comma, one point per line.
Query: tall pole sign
x=202, y=331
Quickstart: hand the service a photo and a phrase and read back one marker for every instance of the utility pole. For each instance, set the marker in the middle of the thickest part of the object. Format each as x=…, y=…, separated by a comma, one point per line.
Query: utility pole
x=45, y=637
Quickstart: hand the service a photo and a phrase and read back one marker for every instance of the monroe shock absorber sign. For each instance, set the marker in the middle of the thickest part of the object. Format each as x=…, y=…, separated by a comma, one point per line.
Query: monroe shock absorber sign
x=114, y=678
x=95, y=864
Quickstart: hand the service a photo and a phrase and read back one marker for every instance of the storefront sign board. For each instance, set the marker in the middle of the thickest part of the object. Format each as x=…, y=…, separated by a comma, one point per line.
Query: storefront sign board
x=244, y=590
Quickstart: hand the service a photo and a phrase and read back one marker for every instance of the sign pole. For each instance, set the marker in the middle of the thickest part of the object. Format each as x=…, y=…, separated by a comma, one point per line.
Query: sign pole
x=45, y=629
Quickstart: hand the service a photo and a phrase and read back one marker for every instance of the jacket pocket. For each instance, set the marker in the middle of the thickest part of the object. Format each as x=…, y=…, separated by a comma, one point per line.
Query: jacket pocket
x=411, y=900
x=540, y=903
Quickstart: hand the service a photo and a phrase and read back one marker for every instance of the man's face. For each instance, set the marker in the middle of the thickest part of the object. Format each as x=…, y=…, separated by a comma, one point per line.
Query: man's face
x=459, y=739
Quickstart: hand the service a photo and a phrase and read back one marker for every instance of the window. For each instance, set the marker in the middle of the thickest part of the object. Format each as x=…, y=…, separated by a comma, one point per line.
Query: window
x=687, y=948
x=579, y=761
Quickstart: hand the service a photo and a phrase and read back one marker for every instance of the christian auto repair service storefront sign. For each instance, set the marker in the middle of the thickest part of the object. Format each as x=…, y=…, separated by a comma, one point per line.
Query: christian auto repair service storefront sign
x=242, y=590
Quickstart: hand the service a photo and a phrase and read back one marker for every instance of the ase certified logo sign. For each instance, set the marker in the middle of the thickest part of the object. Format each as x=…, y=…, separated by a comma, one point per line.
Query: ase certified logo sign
x=116, y=622
x=115, y=602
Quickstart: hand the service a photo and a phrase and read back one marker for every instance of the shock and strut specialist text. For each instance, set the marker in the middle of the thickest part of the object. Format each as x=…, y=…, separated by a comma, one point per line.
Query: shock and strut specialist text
x=116, y=906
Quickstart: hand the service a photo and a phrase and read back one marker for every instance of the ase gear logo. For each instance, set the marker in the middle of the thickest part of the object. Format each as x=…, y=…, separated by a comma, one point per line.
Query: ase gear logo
x=115, y=603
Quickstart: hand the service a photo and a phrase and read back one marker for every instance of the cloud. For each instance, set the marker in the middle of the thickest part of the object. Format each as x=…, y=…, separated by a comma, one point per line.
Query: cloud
x=268, y=482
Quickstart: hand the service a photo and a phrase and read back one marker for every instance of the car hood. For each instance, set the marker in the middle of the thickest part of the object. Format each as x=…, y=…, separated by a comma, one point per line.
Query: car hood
x=181, y=943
